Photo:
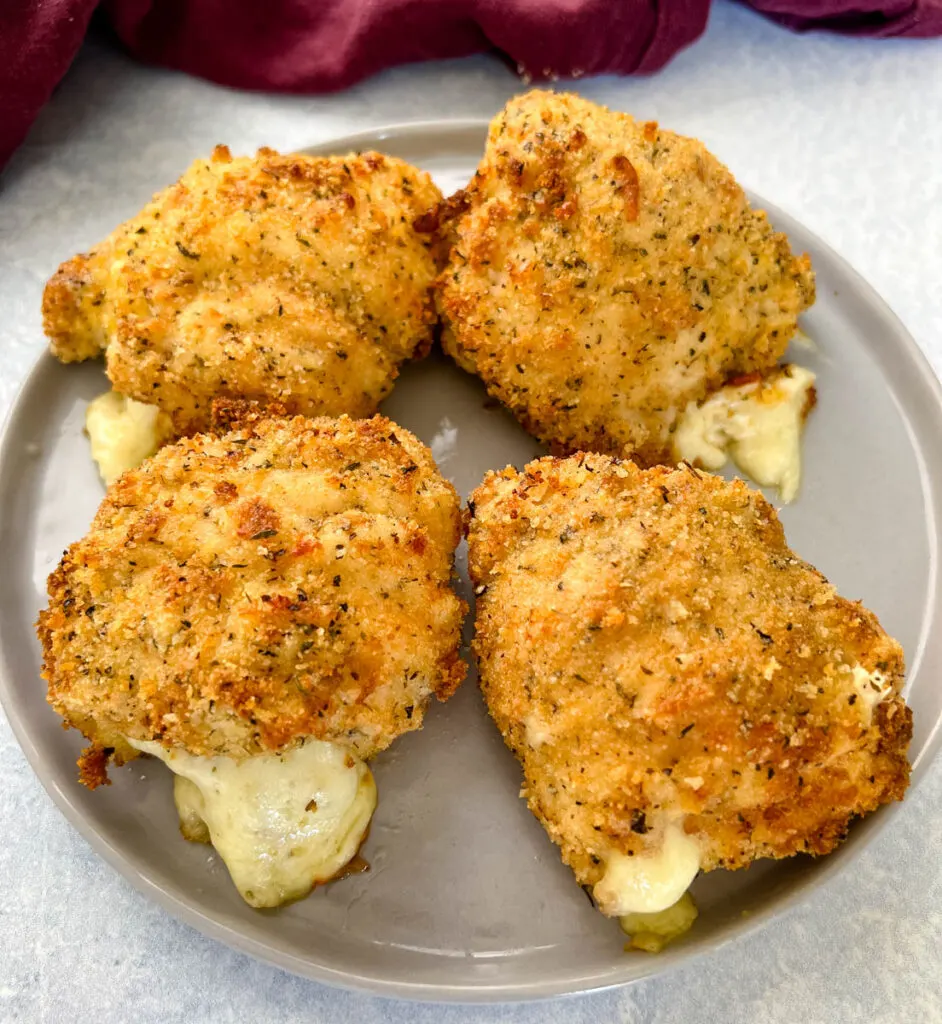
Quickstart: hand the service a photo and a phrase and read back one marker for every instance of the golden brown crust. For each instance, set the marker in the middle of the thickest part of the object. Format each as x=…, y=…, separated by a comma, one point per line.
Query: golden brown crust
x=93, y=766
x=604, y=273
x=651, y=649
x=288, y=278
x=237, y=593
x=239, y=414
x=73, y=307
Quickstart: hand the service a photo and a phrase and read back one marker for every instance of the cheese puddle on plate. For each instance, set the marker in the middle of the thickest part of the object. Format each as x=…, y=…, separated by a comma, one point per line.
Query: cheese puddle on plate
x=652, y=932
x=123, y=433
x=282, y=823
x=757, y=424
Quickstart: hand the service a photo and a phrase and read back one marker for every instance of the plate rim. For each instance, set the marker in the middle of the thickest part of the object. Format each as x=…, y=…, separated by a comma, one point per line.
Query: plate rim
x=778, y=905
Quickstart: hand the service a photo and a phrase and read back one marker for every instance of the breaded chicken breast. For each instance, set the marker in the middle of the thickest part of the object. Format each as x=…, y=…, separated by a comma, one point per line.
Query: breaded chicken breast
x=605, y=273
x=237, y=593
x=682, y=691
x=262, y=610
x=291, y=278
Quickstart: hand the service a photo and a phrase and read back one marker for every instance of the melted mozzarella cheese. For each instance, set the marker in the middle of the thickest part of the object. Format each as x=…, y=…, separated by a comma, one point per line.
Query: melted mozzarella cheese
x=651, y=882
x=652, y=932
x=123, y=433
x=872, y=689
x=758, y=425
x=281, y=822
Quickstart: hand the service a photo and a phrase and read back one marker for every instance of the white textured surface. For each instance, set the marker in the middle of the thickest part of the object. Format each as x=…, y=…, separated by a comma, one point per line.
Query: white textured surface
x=845, y=135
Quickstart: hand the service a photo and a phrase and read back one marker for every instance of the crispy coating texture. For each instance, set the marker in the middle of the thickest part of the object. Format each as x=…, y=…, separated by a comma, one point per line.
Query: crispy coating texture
x=604, y=272
x=234, y=594
x=652, y=650
x=290, y=278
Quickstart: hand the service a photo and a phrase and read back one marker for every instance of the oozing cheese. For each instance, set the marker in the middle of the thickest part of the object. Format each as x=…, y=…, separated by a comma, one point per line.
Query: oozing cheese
x=652, y=932
x=281, y=822
x=872, y=689
x=651, y=882
x=758, y=425
x=123, y=433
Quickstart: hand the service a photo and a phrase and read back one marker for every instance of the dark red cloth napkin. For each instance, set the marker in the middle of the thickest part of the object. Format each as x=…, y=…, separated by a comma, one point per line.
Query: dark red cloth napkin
x=322, y=45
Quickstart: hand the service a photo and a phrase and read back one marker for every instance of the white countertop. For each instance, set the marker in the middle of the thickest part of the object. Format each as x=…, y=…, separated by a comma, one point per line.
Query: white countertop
x=844, y=134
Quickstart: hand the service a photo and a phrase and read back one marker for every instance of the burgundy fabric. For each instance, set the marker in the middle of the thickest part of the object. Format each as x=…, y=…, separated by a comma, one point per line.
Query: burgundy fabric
x=323, y=45
x=38, y=39
x=918, y=20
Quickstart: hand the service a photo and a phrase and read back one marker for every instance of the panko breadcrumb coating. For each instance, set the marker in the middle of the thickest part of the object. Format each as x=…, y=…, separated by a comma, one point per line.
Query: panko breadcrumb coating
x=237, y=593
x=604, y=272
x=292, y=278
x=653, y=652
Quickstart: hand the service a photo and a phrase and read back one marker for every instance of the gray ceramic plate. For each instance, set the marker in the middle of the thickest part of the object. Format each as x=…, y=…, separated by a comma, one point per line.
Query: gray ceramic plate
x=467, y=899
